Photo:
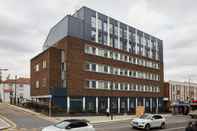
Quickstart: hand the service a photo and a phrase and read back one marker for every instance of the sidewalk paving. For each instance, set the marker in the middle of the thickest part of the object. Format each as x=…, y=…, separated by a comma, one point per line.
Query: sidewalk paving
x=4, y=124
x=92, y=119
x=99, y=119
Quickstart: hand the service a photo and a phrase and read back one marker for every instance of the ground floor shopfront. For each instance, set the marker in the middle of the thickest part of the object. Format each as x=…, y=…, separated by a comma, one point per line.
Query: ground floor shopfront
x=118, y=105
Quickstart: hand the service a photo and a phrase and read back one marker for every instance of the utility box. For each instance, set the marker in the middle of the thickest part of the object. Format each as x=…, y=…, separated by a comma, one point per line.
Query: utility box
x=139, y=110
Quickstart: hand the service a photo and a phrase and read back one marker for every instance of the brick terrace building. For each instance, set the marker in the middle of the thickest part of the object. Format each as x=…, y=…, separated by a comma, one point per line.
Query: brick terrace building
x=92, y=62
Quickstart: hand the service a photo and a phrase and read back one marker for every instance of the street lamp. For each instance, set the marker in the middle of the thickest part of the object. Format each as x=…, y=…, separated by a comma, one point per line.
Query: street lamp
x=15, y=87
x=1, y=70
x=111, y=114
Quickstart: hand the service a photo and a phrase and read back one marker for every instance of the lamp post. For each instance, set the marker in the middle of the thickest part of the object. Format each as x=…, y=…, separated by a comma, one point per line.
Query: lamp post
x=1, y=70
x=111, y=114
x=15, y=88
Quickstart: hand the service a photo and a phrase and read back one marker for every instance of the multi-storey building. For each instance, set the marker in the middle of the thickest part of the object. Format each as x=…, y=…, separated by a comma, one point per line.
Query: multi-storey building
x=182, y=91
x=92, y=62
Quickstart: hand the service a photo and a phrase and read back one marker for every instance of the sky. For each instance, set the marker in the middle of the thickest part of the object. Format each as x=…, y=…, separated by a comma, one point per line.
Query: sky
x=24, y=25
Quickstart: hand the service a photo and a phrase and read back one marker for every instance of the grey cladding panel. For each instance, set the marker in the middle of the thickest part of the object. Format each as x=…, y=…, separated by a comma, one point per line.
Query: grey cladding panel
x=58, y=32
x=76, y=27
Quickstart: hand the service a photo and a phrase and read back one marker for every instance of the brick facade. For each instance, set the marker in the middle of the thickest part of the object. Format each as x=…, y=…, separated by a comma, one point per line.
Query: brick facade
x=76, y=75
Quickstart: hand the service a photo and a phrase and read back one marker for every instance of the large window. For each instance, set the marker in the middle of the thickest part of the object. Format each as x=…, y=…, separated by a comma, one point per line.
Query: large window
x=105, y=39
x=111, y=29
x=93, y=35
x=121, y=32
x=116, y=30
x=105, y=26
x=115, y=43
x=100, y=37
x=99, y=24
x=93, y=22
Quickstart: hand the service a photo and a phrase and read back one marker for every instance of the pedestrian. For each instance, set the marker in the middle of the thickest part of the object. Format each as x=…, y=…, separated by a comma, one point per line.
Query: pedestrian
x=107, y=112
x=189, y=127
x=194, y=127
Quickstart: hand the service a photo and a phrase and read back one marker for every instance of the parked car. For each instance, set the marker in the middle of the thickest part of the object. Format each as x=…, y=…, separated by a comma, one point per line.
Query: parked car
x=70, y=125
x=148, y=121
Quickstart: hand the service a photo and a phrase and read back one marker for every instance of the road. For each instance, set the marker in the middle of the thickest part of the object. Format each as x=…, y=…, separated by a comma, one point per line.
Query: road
x=173, y=124
x=24, y=120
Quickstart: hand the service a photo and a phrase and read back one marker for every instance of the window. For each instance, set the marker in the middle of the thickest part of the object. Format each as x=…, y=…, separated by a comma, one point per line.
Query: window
x=115, y=43
x=111, y=29
x=111, y=70
x=44, y=64
x=157, y=117
x=93, y=67
x=121, y=32
x=100, y=37
x=121, y=45
x=105, y=26
x=105, y=68
x=77, y=125
x=99, y=24
x=111, y=42
x=125, y=34
x=44, y=82
x=116, y=86
x=105, y=39
x=93, y=22
x=116, y=30
x=93, y=35
x=64, y=84
x=37, y=67
x=37, y=84
x=90, y=83
x=87, y=66
x=93, y=51
x=93, y=84
x=106, y=53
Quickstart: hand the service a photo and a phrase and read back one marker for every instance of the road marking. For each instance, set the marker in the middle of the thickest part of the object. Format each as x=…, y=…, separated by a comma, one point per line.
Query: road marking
x=12, y=124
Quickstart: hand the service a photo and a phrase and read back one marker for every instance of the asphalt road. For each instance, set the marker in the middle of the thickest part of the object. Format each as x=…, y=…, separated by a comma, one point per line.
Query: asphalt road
x=174, y=123
x=24, y=120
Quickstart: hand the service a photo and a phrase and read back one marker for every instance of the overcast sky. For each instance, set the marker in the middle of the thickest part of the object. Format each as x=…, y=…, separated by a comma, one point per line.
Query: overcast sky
x=24, y=25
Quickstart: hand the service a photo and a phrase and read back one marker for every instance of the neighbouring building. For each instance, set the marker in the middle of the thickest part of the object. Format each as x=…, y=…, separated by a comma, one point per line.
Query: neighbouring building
x=20, y=85
x=92, y=62
x=181, y=91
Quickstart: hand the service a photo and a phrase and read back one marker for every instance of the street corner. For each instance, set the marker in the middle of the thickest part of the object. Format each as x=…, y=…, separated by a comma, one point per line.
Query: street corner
x=6, y=124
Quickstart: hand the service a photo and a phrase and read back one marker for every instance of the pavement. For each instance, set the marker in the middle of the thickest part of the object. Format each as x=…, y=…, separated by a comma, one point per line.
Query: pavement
x=91, y=119
x=26, y=120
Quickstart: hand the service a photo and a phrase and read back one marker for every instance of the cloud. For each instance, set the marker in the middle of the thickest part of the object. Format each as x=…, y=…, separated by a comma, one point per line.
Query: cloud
x=25, y=24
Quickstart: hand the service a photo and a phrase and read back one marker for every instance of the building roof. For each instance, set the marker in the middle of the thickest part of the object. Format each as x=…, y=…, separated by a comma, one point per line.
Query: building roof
x=18, y=81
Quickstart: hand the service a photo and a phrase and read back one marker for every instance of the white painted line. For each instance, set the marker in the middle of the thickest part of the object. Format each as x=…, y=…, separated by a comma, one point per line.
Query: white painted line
x=12, y=124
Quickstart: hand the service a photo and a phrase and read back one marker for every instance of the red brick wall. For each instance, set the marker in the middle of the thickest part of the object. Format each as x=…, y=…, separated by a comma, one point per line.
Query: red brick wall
x=75, y=59
x=51, y=73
